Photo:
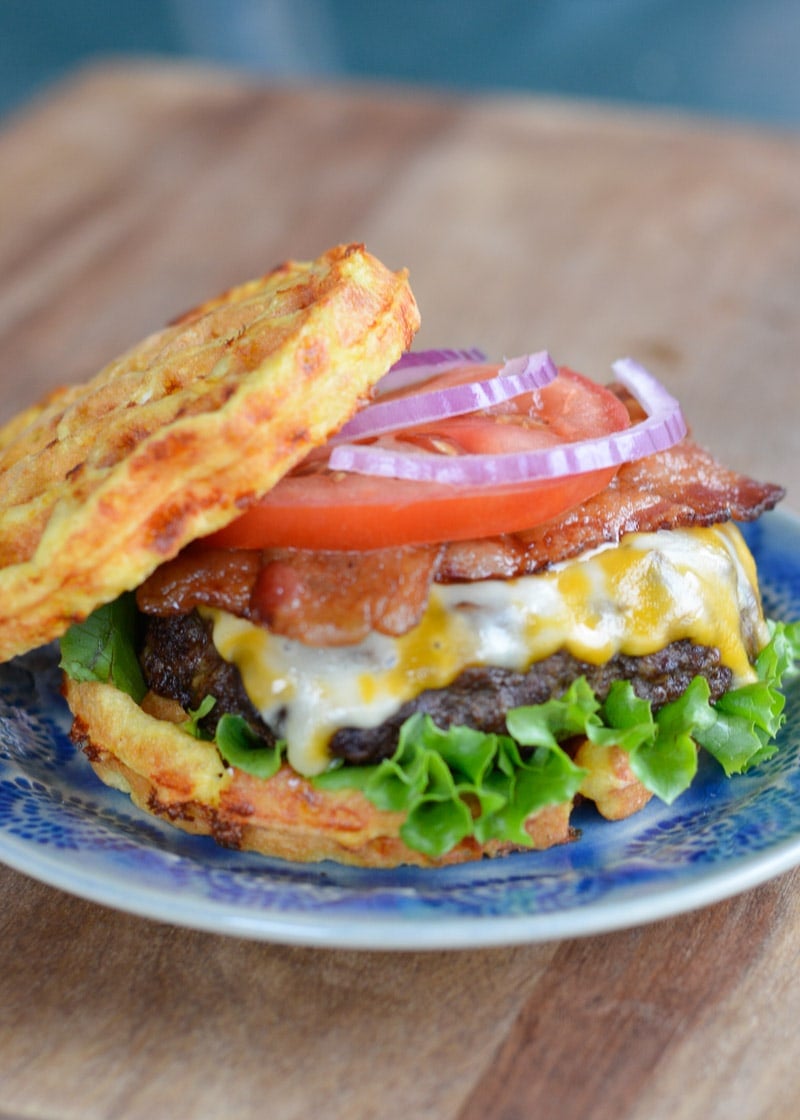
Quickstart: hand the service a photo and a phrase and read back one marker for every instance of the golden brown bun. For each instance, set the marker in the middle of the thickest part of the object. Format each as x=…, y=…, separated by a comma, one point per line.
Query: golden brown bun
x=102, y=482
x=182, y=779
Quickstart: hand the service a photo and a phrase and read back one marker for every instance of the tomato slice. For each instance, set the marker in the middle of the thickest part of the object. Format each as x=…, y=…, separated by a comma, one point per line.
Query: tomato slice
x=316, y=509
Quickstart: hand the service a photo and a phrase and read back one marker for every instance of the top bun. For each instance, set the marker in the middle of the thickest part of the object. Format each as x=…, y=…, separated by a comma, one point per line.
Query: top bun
x=102, y=482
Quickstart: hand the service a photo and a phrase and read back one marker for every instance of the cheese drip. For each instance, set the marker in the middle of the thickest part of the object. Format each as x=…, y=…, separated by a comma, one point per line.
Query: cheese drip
x=632, y=598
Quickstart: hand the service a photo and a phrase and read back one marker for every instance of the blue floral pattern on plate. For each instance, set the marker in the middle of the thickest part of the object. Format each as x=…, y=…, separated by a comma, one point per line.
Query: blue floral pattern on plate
x=59, y=824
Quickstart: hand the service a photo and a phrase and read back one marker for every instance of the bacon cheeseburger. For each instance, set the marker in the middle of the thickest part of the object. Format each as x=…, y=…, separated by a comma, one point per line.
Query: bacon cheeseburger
x=320, y=597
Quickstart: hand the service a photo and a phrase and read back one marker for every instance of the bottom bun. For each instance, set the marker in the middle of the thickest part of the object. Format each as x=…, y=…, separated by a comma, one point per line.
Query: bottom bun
x=172, y=775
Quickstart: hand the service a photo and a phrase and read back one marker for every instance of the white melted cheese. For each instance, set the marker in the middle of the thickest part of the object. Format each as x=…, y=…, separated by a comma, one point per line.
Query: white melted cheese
x=634, y=598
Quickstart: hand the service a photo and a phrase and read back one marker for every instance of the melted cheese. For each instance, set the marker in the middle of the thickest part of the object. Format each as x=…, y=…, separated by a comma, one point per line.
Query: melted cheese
x=634, y=598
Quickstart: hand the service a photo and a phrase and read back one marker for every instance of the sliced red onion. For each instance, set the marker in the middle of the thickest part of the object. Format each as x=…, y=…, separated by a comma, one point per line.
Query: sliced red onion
x=418, y=365
x=517, y=376
x=439, y=357
x=662, y=428
x=665, y=424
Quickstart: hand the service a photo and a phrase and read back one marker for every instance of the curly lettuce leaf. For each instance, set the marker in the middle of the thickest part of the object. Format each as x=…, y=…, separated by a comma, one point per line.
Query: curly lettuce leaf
x=240, y=746
x=749, y=718
x=103, y=648
x=191, y=725
x=666, y=762
x=459, y=782
x=780, y=656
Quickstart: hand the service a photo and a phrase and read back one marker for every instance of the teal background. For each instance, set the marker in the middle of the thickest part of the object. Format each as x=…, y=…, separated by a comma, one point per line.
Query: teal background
x=732, y=58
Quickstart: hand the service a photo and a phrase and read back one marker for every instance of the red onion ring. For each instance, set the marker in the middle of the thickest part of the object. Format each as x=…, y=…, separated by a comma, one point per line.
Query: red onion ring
x=517, y=376
x=663, y=427
x=416, y=358
x=418, y=365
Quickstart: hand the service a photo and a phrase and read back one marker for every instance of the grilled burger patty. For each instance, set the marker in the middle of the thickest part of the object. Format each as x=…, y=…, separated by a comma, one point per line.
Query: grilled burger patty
x=180, y=662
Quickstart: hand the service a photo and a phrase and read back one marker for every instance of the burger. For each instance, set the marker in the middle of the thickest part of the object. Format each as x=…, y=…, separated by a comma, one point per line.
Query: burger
x=322, y=596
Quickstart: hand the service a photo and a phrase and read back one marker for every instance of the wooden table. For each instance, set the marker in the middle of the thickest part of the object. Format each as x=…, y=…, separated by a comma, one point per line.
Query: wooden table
x=131, y=193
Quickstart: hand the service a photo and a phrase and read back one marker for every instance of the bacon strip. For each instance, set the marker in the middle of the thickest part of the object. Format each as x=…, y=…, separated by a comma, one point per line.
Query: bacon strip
x=336, y=598
x=682, y=487
x=320, y=598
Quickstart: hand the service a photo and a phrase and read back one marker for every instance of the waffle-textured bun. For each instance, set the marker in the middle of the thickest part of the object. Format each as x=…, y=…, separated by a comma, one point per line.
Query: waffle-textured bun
x=172, y=775
x=102, y=482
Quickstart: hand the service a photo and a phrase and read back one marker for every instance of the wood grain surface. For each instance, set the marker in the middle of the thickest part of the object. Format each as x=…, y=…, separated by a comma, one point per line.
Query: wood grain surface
x=133, y=192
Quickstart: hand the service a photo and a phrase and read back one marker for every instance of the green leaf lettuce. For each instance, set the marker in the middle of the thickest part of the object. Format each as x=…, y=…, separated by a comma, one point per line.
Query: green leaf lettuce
x=103, y=648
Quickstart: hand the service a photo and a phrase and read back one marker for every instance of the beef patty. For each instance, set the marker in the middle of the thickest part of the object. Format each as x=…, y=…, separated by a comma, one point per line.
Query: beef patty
x=180, y=661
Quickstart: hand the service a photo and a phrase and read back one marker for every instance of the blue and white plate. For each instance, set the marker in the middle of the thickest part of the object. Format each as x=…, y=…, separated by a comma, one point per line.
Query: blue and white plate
x=59, y=824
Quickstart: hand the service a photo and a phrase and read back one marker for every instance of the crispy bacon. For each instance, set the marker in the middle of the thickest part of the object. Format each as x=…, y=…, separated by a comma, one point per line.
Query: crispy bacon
x=682, y=487
x=320, y=598
x=214, y=577
x=336, y=598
